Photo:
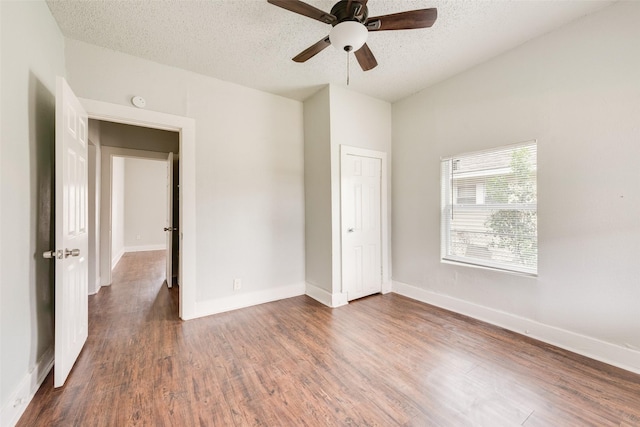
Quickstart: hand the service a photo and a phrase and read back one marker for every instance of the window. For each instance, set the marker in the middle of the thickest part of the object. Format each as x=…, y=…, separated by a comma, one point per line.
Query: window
x=466, y=194
x=489, y=208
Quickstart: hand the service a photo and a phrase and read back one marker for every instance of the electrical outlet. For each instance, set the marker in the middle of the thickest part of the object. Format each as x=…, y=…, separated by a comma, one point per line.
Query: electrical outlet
x=138, y=237
x=237, y=284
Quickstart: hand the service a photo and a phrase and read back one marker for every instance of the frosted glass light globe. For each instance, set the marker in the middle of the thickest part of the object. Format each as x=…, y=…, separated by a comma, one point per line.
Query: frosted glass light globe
x=348, y=35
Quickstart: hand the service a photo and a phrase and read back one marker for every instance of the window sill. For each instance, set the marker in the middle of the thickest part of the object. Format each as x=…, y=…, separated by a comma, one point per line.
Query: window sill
x=484, y=267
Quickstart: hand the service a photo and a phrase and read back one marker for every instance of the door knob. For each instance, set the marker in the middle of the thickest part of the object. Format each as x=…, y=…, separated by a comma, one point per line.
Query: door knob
x=350, y=230
x=170, y=229
x=71, y=252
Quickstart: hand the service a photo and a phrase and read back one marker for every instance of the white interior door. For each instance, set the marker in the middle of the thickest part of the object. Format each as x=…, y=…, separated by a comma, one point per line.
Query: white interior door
x=168, y=229
x=361, y=179
x=71, y=277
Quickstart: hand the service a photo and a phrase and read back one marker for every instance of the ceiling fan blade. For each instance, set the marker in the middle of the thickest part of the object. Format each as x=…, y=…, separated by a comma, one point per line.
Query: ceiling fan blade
x=365, y=58
x=313, y=50
x=305, y=9
x=422, y=18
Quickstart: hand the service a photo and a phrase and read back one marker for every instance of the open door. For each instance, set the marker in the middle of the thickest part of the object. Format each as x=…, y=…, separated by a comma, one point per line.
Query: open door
x=169, y=229
x=71, y=253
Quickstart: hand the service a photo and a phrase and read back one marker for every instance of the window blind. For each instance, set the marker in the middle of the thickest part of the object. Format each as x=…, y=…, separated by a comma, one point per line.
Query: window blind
x=489, y=208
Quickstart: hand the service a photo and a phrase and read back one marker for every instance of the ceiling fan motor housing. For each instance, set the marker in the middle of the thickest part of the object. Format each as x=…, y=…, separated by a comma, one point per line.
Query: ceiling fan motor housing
x=357, y=12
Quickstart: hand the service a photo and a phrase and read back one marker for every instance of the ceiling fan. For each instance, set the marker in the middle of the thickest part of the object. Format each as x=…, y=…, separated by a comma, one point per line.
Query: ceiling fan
x=351, y=24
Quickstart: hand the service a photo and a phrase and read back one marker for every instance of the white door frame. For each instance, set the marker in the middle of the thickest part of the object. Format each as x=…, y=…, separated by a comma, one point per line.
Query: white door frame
x=169, y=222
x=185, y=126
x=346, y=150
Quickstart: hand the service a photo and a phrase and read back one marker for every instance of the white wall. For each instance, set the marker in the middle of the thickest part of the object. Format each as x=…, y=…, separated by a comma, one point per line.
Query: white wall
x=32, y=54
x=576, y=91
x=334, y=116
x=249, y=171
x=317, y=184
x=117, y=209
x=94, y=165
x=93, y=227
x=145, y=204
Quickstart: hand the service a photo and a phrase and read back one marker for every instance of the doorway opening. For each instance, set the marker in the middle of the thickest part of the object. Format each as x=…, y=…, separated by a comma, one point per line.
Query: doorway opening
x=135, y=189
x=184, y=189
x=143, y=217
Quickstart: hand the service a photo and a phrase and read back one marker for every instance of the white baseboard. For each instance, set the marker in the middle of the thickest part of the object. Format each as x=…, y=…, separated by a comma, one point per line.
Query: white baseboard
x=116, y=259
x=325, y=297
x=13, y=409
x=145, y=248
x=242, y=300
x=590, y=347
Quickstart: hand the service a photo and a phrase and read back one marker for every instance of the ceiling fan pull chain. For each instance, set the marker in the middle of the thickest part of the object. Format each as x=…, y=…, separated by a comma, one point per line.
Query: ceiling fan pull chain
x=348, y=61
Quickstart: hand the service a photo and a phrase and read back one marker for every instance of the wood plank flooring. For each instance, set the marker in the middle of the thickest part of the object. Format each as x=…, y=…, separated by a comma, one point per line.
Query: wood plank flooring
x=383, y=360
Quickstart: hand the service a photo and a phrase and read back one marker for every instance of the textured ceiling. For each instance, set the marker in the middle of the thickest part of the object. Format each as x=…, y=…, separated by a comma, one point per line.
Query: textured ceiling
x=251, y=42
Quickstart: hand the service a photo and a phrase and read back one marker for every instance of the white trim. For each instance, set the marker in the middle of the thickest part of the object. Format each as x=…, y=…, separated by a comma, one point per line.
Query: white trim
x=489, y=265
x=145, y=248
x=346, y=150
x=116, y=259
x=590, y=347
x=221, y=305
x=22, y=396
x=186, y=127
x=325, y=297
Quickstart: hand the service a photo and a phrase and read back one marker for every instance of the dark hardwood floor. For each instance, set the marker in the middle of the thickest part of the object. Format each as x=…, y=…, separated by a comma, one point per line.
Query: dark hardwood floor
x=383, y=360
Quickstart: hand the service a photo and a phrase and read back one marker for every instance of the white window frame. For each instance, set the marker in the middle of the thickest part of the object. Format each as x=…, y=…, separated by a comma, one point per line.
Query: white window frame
x=448, y=195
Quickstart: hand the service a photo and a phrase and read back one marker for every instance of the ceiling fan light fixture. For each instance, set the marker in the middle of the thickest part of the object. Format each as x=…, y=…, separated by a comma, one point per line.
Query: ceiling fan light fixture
x=348, y=36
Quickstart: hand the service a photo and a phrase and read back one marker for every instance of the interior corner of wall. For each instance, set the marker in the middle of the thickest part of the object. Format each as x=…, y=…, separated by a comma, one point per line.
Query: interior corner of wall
x=330, y=299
